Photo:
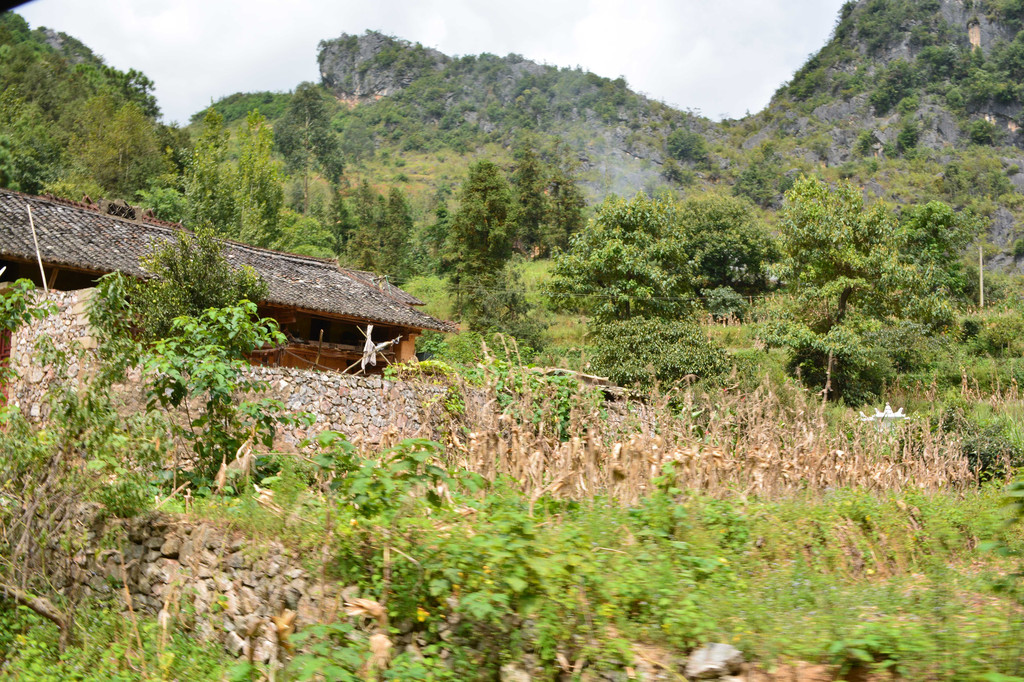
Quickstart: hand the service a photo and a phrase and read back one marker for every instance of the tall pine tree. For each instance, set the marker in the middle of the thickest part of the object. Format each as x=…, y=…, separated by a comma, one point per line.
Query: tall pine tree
x=306, y=140
x=259, y=196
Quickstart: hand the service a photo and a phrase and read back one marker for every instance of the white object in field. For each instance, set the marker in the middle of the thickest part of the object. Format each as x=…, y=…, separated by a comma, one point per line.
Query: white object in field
x=884, y=419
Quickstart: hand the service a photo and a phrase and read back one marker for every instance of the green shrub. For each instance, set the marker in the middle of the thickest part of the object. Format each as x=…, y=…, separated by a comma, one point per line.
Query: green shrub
x=687, y=145
x=982, y=132
x=642, y=351
x=723, y=302
x=996, y=334
x=992, y=446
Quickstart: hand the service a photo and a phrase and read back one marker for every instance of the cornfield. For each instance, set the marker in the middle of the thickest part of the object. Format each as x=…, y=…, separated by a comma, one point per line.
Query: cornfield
x=719, y=442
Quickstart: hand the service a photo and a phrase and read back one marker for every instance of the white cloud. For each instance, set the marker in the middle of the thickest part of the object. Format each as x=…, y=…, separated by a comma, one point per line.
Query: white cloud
x=722, y=58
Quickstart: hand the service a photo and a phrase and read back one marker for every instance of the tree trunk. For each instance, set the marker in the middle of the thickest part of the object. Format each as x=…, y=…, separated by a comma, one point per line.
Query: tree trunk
x=844, y=298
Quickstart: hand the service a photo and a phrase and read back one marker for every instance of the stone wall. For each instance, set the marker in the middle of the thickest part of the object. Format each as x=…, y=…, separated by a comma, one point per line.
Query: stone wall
x=68, y=329
x=211, y=581
x=364, y=408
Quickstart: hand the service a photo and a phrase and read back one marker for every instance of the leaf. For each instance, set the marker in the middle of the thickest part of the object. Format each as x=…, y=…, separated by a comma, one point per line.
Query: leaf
x=517, y=584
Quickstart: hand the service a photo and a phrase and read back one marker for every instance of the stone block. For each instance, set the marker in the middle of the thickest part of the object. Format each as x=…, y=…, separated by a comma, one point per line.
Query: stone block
x=171, y=547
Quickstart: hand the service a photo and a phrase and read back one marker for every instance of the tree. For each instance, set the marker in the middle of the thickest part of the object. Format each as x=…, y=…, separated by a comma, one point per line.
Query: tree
x=852, y=270
x=305, y=235
x=936, y=238
x=259, y=196
x=726, y=244
x=393, y=257
x=762, y=181
x=363, y=245
x=530, y=189
x=630, y=260
x=339, y=221
x=380, y=239
x=210, y=183
x=430, y=241
x=480, y=241
x=835, y=250
x=687, y=145
x=116, y=147
x=565, y=199
x=190, y=275
x=33, y=149
x=306, y=140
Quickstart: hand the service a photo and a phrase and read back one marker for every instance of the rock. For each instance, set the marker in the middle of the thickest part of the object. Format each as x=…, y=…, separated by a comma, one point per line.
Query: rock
x=713, y=661
x=510, y=672
x=171, y=547
x=265, y=650
x=235, y=645
x=247, y=600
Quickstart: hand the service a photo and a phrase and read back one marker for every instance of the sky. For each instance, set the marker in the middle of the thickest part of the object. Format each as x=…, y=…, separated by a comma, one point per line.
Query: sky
x=720, y=58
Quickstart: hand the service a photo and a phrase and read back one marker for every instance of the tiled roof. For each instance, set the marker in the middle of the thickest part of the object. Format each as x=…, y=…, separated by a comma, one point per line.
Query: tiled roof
x=80, y=236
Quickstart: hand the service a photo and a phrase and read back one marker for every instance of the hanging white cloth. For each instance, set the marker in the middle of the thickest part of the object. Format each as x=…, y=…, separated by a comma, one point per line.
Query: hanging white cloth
x=369, y=350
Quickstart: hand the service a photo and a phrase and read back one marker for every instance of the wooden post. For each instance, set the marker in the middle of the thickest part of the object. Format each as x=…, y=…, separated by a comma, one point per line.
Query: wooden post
x=319, y=347
x=42, y=273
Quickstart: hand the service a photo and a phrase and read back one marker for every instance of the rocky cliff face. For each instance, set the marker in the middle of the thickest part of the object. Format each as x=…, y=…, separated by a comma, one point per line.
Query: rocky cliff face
x=373, y=65
x=617, y=133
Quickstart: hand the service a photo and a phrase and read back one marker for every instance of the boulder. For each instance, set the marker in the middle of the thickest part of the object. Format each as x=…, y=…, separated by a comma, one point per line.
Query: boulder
x=713, y=661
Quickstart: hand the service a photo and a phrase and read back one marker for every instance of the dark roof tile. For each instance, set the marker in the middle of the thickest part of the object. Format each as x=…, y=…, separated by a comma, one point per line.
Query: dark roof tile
x=77, y=235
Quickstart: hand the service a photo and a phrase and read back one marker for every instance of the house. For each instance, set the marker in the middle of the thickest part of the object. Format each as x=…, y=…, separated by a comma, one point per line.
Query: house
x=322, y=308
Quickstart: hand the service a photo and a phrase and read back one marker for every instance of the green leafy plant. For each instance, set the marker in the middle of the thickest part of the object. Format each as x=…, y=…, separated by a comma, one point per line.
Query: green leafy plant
x=203, y=362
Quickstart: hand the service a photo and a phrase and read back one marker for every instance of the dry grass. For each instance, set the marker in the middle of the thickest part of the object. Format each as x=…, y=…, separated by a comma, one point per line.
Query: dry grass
x=720, y=442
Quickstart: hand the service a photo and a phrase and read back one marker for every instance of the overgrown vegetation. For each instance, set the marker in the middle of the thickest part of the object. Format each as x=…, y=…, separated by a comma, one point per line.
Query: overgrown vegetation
x=548, y=524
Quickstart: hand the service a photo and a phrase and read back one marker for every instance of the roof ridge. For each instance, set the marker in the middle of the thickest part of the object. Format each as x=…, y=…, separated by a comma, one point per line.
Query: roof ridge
x=95, y=208
x=156, y=222
x=349, y=292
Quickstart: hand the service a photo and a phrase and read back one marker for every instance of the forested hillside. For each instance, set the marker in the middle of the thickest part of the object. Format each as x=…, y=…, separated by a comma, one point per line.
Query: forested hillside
x=71, y=125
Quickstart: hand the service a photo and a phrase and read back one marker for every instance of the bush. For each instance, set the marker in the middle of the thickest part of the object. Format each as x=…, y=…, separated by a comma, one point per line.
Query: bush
x=466, y=348
x=723, y=302
x=998, y=335
x=857, y=377
x=1018, y=248
x=992, y=447
x=982, y=132
x=687, y=145
x=642, y=351
x=191, y=275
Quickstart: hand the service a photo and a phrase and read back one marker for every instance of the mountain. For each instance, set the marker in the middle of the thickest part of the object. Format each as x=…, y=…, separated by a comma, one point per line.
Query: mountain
x=69, y=123
x=401, y=99
x=947, y=71
x=916, y=100
x=922, y=83
x=913, y=99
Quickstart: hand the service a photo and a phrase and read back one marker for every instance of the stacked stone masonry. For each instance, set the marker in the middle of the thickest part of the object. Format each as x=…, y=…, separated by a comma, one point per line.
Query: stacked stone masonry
x=211, y=581
x=364, y=408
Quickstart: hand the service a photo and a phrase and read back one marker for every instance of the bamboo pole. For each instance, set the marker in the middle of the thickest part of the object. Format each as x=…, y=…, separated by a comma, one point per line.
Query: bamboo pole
x=39, y=258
